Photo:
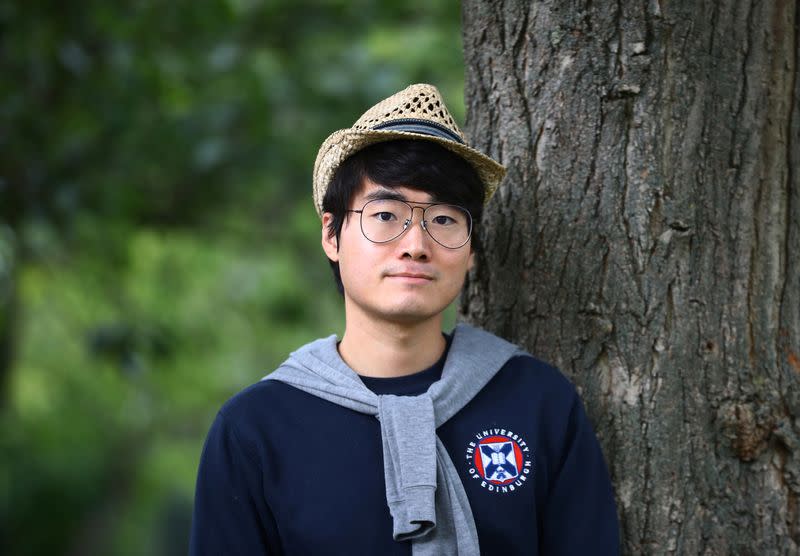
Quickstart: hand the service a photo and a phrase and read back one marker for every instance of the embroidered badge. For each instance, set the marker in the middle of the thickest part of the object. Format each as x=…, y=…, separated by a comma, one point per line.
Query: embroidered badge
x=500, y=459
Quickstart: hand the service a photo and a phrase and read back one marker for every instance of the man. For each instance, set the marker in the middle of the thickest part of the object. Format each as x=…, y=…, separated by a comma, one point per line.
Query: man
x=400, y=439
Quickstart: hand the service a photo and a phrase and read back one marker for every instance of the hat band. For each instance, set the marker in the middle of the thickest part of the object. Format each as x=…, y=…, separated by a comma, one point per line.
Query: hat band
x=420, y=126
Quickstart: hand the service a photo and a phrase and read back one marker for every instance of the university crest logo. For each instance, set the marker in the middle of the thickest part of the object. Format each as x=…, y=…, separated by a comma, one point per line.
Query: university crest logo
x=500, y=459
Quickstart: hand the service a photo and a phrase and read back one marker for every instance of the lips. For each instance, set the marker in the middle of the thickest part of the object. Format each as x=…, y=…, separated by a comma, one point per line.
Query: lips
x=409, y=271
x=411, y=275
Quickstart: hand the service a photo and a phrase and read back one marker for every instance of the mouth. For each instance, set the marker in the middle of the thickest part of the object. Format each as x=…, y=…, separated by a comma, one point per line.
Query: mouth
x=411, y=277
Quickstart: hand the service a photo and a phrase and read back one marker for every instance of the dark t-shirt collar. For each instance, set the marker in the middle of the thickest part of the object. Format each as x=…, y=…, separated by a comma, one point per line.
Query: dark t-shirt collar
x=413, y=384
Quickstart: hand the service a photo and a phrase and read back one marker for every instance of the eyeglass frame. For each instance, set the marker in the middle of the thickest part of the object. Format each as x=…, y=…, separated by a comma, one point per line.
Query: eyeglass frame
x=409, y=221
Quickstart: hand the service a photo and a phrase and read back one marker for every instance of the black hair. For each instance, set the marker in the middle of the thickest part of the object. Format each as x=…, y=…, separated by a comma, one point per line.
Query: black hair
x=422, y=165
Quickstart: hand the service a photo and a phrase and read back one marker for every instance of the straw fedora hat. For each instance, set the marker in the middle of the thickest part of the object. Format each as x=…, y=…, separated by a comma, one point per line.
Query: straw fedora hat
x=416, y=112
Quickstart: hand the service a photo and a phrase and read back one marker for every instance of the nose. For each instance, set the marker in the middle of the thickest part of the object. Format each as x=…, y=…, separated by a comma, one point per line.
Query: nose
x=415, y=241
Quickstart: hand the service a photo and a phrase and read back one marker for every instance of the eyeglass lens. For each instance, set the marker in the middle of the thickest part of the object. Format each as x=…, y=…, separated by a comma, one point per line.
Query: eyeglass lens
x=383, y=220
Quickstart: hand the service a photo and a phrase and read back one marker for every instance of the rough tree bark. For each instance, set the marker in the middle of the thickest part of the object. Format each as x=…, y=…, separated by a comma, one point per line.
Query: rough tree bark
x=647, y=241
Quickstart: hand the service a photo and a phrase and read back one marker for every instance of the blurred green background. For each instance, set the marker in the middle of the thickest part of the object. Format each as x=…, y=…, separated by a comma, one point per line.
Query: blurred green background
x=159, y=250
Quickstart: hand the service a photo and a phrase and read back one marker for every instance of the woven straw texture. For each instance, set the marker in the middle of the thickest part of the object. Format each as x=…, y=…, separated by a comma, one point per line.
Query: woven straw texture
x=421, y=102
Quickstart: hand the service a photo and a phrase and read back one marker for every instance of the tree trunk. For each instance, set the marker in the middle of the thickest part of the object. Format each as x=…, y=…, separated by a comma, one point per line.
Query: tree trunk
x=647, y=241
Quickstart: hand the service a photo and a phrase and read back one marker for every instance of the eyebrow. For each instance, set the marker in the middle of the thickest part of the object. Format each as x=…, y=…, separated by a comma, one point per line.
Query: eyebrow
x=390, y=194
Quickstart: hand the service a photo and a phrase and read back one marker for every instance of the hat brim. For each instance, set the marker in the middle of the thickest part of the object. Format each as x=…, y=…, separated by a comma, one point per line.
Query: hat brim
x=346, y=142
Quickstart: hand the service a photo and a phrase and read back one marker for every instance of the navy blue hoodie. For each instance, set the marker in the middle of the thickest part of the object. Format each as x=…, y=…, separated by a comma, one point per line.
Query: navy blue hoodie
x=285, y=472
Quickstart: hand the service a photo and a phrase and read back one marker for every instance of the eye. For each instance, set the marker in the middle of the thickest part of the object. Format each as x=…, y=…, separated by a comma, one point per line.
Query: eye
x=385, y=216
x=442, y=220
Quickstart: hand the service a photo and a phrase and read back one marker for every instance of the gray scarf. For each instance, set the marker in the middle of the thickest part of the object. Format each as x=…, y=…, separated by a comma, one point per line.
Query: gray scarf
x=438, y=521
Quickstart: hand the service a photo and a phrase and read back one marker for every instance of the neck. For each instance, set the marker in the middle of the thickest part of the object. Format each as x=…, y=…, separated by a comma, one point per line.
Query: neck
x=386, y=349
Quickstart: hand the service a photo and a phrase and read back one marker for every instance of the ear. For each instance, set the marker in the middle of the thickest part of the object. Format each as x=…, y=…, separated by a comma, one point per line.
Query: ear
x=329, y=243
x=471, y=260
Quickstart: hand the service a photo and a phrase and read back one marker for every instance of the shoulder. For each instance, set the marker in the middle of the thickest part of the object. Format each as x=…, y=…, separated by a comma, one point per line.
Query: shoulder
x=272, y=411
x=519, y=360
x=537, y=381
x=269, y=400
x=267, y=395
x=252, y=400
x=528, y=367
x=247, y=412
x=263, y=409
x=522, y=371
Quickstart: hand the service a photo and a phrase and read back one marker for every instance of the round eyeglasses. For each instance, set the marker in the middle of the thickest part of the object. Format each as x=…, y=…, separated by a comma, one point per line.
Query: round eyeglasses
x=383, y=220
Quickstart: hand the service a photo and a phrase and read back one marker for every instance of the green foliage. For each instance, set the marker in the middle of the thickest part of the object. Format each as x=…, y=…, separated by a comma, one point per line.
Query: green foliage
x=155, y=176
x=119, y=379
x=161, y=111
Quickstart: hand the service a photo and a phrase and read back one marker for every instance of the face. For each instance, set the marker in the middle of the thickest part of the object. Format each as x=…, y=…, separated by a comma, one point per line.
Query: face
x=406, y=281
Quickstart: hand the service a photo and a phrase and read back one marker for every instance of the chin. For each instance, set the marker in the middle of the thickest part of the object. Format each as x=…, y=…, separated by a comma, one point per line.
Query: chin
x=409, y=314
x=400, y=307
